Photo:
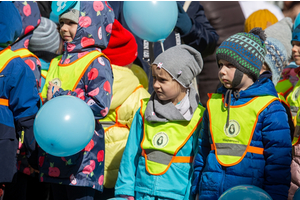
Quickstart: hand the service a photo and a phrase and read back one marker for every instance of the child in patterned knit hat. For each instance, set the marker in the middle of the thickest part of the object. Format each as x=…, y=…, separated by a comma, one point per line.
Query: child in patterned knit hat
x=245, y=138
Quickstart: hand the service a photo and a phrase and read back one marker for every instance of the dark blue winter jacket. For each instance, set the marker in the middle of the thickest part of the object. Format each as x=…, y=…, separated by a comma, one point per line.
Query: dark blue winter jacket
x=270, y=171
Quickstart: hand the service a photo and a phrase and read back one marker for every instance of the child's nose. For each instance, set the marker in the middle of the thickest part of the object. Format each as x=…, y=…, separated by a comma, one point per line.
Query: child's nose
x=155, y=84
x=295, y=48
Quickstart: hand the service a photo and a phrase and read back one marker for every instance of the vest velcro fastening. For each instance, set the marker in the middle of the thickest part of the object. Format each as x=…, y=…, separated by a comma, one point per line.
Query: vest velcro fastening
x=4, y=102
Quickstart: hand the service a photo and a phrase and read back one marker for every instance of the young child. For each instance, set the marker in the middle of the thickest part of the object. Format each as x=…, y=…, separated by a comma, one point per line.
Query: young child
x=122, y=51
x=46, y=44
x=31, y=18
x=294, y=102
x=81, y=71
x=157, y=160
x=19, y=101
x=278, y=53
x=245, y=137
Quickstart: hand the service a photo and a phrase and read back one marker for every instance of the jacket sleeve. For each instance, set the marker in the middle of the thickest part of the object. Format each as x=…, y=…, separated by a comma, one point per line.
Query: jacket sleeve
x=202, y=35
x=23, y=102
x=95, y=88
x=277, y=151
x=203, y=151
x=127, y=171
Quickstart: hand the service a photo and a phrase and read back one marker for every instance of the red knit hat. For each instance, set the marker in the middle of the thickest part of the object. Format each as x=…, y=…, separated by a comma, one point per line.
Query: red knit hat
x=122, y=46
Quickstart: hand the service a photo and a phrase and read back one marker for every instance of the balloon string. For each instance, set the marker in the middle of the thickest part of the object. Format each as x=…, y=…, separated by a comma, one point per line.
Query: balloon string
x=162, y=46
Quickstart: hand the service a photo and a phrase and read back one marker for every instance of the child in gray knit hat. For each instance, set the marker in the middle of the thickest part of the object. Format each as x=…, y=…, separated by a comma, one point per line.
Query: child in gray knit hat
x=157, y=160
x=245, y=138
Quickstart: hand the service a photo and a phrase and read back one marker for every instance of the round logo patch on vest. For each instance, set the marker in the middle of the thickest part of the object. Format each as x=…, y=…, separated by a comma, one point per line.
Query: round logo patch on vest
x=160, y=140
x=233, y=128
x=296, y=94
x=56, y=81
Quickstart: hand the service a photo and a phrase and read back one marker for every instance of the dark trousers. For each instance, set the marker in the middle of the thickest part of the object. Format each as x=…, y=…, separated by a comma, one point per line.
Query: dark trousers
x=67, y=192
x=26, y=187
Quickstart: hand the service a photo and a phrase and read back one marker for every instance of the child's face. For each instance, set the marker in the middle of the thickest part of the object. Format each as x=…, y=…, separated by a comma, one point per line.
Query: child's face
x=226, y=76
x=165, y=87
x=296, y=51
x=68, y=29
x=226, y=73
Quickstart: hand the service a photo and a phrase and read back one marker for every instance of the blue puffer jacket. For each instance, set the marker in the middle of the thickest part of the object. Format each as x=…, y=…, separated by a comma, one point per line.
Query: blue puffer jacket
x=18, y=86
x=270, y=171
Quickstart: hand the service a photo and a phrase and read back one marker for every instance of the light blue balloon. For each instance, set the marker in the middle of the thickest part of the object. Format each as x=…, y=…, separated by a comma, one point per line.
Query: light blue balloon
x=64, y=126
x=297, y=195
x=245, y=192
x=151, y=20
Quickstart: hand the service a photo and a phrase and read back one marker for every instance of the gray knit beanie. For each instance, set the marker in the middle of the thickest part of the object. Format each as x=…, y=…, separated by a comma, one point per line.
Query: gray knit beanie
x=45, y=37
x=72, y=14
x=246, y=51
x=282, y=31
x=182, y=62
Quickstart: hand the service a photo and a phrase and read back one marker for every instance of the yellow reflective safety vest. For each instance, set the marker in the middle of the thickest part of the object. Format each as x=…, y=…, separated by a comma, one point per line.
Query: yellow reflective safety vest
x=161, y=141
x=233, y=142
x=294, y=101
x=284, y=86
x=67, y=76
x=282, y=99
x=6, y=55
x=111, y=119
x=296, y=138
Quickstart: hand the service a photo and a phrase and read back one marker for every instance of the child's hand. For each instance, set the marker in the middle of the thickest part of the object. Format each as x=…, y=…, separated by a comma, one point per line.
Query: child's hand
x=52, y=88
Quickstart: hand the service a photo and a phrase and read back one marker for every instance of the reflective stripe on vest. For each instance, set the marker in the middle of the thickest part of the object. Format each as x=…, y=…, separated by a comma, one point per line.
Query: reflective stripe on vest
x=284, y=86
x=6, y=55
x=233, y=142
x=67, y=76
x=25, y=53
x=161, y=141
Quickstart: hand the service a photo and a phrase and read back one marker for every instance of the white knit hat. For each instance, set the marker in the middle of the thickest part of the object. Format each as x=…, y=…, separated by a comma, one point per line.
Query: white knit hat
x=45, y=37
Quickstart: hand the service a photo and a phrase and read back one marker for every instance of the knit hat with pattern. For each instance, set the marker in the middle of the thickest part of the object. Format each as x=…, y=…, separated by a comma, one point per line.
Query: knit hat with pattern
x=246, y=51
x=276, y=58
x=260, y=18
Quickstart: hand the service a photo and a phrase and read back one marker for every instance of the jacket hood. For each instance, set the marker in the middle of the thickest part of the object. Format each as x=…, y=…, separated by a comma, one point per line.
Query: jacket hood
x=94, y=26
x=10, y=23
x=122, y=76
x=31, y=18
x=262, y=87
